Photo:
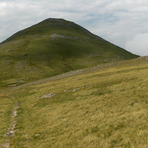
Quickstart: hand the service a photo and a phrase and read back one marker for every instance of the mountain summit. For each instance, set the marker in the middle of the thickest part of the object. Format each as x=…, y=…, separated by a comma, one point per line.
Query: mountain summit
x=51, y=47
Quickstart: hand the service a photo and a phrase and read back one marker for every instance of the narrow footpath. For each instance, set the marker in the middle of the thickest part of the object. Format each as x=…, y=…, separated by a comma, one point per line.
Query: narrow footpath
x=11, y=129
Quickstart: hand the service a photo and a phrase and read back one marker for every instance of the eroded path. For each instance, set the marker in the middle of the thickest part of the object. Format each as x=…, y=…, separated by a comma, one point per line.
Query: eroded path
x=11, y=129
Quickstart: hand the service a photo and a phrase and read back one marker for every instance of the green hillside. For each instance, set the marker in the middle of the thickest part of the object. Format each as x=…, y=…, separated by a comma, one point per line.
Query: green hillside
x=52, y=47
x=102, y=107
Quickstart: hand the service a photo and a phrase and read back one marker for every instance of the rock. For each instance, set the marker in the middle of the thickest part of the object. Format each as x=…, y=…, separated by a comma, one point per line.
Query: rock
x=13, y=85
x=76, y=89
x=21, y=82
x=17, y=83
x=48, y=96
x=54, y=35
x=6, y=134
x=36, y=135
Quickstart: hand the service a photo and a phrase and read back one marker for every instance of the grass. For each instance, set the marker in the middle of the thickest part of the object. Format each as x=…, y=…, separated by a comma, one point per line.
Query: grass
x=105, y=108
x=32, y=54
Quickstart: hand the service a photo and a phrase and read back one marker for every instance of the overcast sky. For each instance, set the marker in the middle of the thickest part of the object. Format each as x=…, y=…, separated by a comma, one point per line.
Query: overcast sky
x=122, y=22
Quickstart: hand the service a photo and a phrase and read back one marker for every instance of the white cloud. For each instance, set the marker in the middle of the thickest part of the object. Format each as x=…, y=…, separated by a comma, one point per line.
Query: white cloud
x=139, y=44
x=119, y=21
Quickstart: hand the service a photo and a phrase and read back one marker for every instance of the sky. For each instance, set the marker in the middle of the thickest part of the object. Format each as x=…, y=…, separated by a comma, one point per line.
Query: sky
x=122, y=22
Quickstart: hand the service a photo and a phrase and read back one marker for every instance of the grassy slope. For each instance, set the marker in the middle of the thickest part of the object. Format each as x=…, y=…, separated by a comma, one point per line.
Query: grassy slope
x=108, y=109
x=33, y=54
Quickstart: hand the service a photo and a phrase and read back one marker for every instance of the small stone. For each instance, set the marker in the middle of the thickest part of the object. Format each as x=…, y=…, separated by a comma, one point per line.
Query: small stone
x=36, y=135
x=48, y=96
x=76, y=89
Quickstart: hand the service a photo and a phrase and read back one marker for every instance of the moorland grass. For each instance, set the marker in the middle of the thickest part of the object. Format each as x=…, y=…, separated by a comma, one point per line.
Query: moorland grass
x=106, y=108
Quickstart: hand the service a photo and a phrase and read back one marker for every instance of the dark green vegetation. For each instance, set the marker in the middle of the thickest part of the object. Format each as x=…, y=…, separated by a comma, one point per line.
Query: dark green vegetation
x=100, y=108
x=52, y=47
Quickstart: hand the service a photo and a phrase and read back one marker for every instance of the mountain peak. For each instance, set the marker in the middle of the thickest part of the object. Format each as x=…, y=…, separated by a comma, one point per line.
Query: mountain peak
x=54, y=19
x=57, y=22
x=48, y=26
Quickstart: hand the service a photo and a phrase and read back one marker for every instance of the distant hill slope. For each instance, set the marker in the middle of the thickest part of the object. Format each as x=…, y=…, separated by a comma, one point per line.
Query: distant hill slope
x=51, y=47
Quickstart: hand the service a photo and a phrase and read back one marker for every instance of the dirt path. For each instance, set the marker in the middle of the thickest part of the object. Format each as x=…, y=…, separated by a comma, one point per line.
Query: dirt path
x=11, y=129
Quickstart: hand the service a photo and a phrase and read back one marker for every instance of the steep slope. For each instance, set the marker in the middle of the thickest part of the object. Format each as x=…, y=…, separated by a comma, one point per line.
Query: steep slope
x=103, y=109
x=52, y=47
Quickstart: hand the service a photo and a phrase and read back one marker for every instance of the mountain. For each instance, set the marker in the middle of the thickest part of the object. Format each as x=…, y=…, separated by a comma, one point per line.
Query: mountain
x=52, y=47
